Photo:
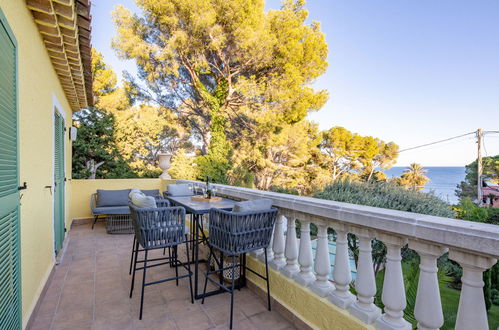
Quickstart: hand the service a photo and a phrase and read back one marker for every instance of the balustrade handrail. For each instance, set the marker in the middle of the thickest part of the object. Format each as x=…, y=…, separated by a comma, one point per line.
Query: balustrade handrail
x=478, y=238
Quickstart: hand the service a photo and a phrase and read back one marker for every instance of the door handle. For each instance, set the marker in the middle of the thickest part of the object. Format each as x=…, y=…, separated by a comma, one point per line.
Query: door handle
x=24, y=186
x=49, y=187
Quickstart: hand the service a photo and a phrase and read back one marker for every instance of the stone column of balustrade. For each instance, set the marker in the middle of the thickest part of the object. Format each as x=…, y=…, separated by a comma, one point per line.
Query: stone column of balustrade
x=428, y=308
x=471, y=313
x=393, y=295
x=322, y=266
x=278, y=244
x=291, y=250
x=342, y=274
x=305, y=257
x=365, y=282
x=270, y=251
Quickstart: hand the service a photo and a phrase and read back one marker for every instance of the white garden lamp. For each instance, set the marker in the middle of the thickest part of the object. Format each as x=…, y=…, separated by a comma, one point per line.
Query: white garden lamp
x=164, y=164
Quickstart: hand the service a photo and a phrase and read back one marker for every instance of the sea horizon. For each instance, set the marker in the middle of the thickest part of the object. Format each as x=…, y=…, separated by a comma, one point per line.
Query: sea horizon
x=443, y=180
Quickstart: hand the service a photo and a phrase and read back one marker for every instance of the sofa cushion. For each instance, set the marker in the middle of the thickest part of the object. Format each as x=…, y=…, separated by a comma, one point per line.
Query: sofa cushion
x=151, y=192
x=176, y=190
x=142, y=201
x=112, y=197
x=253, y=205
x=111, y=210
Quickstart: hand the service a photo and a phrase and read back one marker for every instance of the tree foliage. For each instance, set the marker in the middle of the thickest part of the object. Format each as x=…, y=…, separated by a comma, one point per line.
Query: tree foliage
x=183, y=166
x=95, y=153
x=413, y=178
x=490, y=172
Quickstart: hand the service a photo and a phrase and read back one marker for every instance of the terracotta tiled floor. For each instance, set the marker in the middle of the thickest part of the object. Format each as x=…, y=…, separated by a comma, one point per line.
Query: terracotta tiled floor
x=90, y=289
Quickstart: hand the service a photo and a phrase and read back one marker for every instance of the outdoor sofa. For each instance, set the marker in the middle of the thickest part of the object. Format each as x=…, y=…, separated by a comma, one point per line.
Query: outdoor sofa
x=112, y=206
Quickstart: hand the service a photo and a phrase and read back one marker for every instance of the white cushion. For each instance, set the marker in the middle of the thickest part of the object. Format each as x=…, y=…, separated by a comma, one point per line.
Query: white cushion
x=179, y=190
x=253, y=205
x=134, y=191
x=142, y=201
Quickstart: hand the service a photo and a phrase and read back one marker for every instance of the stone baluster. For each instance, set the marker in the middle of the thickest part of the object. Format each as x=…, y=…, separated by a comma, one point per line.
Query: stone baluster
x=270, y=251
x=305, y=258
x=365, y=284
x=322, y=266
x=342, y=275
x=428, y=309
x=278, y=244
x=471, y=313
x=291, y=251
x=393, y=295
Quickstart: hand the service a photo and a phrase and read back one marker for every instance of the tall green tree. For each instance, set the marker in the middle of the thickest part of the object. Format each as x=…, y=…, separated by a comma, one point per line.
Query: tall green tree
x=468, y=187
x=95, y=155
x=228, y=69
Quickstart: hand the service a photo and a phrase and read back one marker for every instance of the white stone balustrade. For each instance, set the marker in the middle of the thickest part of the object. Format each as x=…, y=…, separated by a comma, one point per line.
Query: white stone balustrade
x=475, y=246
x=305, y=257
x=472, y=313
x=393, y=295
x=279, y=259
x=428, y=309
x=291, y=251
x=322, y=286
x=365, y=284
x=342, y=275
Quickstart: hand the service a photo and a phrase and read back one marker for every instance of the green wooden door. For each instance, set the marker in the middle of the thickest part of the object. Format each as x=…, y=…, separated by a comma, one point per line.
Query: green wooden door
x=58, y=181
x=10, y=257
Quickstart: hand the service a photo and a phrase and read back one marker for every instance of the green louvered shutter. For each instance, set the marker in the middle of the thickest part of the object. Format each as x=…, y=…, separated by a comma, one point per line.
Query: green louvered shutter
x=58, y=181
x=10, y=258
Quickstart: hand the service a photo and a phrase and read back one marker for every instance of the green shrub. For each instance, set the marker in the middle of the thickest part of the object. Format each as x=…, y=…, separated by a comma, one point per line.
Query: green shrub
x=386, y=195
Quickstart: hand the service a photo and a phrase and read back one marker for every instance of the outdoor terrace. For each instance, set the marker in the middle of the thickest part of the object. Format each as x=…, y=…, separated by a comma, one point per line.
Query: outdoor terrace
x=90, y=286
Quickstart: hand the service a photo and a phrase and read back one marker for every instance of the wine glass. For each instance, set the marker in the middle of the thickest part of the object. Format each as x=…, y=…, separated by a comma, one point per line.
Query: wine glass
x=203, y=189
x=191, y=188
x=214, y=191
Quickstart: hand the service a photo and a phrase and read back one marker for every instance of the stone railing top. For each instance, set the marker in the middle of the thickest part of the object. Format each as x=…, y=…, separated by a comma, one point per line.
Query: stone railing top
x=464, y=235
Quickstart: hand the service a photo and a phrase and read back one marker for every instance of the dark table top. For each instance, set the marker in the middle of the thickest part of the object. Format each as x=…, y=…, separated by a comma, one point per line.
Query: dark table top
x=197, y=207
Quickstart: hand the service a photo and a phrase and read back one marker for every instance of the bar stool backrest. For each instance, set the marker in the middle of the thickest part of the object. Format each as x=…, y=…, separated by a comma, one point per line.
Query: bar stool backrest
x=158, y=227
x=241, y=232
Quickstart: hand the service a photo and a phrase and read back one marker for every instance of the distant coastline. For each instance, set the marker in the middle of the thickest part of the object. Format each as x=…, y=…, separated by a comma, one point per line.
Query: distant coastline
x=443, y=180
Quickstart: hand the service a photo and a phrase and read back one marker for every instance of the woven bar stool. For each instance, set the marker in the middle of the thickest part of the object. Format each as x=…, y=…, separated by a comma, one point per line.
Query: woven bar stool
x=237, y=233
x=160, y=202
x=159, y=228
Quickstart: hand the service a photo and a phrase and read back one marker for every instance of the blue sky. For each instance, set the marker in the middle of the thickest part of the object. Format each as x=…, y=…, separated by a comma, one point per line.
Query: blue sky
x=411, y=72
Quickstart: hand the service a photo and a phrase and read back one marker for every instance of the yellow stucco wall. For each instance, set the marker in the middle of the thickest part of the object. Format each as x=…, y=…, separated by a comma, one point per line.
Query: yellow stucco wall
x=38, y=86
x=317, y=312
x=83, y=189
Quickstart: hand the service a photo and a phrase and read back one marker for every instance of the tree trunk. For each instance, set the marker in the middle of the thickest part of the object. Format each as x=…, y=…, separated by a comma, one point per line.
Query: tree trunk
x=92, y=167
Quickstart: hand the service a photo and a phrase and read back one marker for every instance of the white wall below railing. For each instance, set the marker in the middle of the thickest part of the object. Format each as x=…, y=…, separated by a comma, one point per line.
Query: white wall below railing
x=475, y=246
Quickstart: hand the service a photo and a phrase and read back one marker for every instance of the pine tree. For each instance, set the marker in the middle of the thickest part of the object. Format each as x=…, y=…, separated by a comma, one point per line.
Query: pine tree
x=94, y=151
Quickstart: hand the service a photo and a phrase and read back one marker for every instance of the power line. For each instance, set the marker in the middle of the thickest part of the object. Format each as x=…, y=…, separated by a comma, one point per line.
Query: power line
x=440, y=141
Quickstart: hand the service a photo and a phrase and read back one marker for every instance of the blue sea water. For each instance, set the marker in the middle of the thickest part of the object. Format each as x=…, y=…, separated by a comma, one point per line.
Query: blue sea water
x=443, y=180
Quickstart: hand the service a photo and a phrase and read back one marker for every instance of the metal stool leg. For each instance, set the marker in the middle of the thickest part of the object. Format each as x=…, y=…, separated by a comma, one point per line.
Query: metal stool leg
x=206, y=277
x=175, y=257
x=133, y=253
x=267, y=277
x=189, y=269
x=143, y=286
x=232, y=290
x=134, y=267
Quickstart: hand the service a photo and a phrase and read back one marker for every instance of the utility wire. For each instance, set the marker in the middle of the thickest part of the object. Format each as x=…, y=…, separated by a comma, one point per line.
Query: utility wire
x=440, y=141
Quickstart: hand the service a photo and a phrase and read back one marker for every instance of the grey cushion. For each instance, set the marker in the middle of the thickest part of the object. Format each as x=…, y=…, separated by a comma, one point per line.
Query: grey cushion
x=112, y=197
x=111, y=210
x=143, y=201
x=253, y=205
x=151, y=192
x=176, y=190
